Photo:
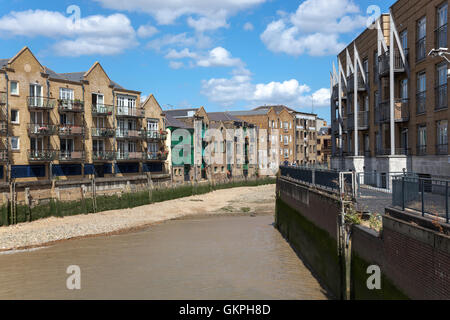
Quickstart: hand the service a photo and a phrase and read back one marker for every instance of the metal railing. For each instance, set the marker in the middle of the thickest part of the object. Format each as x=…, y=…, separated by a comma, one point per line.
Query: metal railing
x=40, y=103
x=3, y=155
x=363, y=120
x=42, y=155
x=421, y=102
x=384, y=62
x=103, y=155
x=65, y=105
x=401, y=111
x=129, y=134
x=162, y=156
x=421, y=150
x=351, y=84
x=402, y=151
x=441, y=97
x=67, y=130
x=421, y=50
x=42, y=129
x=125, y=156
x=442, y=149
x=441, y=36
x=103, y=132
x=3, y=97
x=374, y=180
x=102, y=109
x=130, y=112
x=155, y=135
x=66, y=155
x=426, y=196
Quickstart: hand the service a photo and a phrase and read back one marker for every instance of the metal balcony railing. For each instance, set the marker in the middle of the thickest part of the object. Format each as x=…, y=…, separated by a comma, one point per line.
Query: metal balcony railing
x=441, y=97
x=401, y=111
x=421, y=150
x=442, y=149
x=65, y=105
x=103, y=132
x=103, y=155
x=384, y=62
x=77, y=155
x=129, y=134
x=3, y=155
x=402, y=151
x=3, y=97
x=363, y=120
x=66, y=130
x=421, y=102
x=421, y=50
x=3, y=127
x=351, y=84
x=125, y=156
x=42, y=129
x=155, y=135
x=42, y=155
x=130, y=112
x=441, y=36
x=40, y=103
x=102, y=109
x=161, y=156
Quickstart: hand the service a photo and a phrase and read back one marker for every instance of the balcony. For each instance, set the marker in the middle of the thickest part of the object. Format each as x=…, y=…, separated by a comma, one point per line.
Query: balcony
x=421, y=49
x=2, y=98
x=130, y=112
x=335, y=93
x=41, y=129
x=441, y=97
x=103, y=132
x=402, y=151
x=442, y=149
x=384, y=62
x=129, y=134
x=70, y=130
x=421, y=102
x=128, y=156
x=3, y=155
x=103, y=155
x=155, y=135
x=77, y=155
x=40, y=103
x=363, y=121
x=157, y=156
x=102, y=110
x=42, y=155
x=351, y=84
x=421, y=150
x=70, y=105
x=441, y=36
x=401, y=111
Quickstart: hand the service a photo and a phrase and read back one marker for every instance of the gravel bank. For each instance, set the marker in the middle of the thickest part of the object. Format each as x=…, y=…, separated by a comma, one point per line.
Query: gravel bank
x=246, y=200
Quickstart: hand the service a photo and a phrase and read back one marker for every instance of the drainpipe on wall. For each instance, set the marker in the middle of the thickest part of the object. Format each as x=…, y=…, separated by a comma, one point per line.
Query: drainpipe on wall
x=115, y=128
x=50, y=174
x=8, y=163
x=84, y=135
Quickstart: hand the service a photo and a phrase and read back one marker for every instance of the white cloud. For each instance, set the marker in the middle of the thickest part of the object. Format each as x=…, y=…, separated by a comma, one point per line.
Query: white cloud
x=147, y=31
x=180, y=40
x=211, y=22
x=185, y=53
x=219, y=57
x=90, y=35
x=176, y=64
x=167, y=11
x=240, y=88
x=248, y=26
x=314, y=28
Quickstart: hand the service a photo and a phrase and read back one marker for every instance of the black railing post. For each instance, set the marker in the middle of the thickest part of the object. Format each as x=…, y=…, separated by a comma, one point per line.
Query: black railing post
x=403, y=193
x=423, y=192
x=446, y=201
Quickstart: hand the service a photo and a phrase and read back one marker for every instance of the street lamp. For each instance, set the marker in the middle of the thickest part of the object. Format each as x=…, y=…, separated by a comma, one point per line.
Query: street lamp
x=441, y=52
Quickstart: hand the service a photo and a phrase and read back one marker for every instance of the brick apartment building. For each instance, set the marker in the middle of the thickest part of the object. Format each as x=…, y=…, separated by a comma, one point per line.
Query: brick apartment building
x=389, y=105
x=324, y=146
x=72, y=125
x=229, y=156
x=292, y=135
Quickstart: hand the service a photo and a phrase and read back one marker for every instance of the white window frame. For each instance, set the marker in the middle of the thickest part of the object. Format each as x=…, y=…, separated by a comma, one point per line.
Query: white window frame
x=18, y=117
x=17, y=88
x=18, y=143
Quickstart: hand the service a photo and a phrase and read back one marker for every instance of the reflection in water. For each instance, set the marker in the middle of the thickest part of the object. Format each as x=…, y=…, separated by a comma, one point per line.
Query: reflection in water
x=212, y=258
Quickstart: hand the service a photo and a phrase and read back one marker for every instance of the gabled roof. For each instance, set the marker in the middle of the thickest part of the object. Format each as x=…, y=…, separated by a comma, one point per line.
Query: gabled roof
x=3, y=62
x=248, y=113
x=222, y=116
x=180, y=113
x=173, y=122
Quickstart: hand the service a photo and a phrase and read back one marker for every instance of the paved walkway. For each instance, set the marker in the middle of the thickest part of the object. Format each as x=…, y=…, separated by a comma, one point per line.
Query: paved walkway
x=373, y=201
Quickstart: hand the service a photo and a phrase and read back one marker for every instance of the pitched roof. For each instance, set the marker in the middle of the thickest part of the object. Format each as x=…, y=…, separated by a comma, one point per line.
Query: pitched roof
x=173, y=122
x=222, y=116
x=249, y=113
x=180, y=113
x=3, y=62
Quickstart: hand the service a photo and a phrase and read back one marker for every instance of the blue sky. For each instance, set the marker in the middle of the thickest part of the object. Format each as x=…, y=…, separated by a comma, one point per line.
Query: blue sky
x=224, y=55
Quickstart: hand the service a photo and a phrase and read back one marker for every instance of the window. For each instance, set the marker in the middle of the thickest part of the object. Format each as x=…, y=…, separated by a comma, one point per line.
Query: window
x=152, y=147
x=152, y=125
x=404, y=39
x=66, y=94
x=421, y=38
x=15, y=143
x=421, y=139
x=441, y=31
x=421, y=92
x=442, y=137
x=441, y=86
x=14, y=116
x=15, y=88
x=404, y=89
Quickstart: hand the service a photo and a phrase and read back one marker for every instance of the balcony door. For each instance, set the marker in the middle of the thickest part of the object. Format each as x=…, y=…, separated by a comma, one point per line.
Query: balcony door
x=36, y=120
x=67, y=96
x=442, y=16
x=404, y=140
x=99, y=122
x=66, y=147
x=67, y=119
x=98, y=100
x=36, y=144
x=36, y=95
x=98, y=146
x=152, y=125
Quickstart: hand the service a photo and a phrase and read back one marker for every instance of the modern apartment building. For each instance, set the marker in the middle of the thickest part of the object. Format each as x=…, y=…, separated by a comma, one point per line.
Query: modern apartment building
x=292, y=135
x=389, y=102
x=202, y=149
x=72, y=125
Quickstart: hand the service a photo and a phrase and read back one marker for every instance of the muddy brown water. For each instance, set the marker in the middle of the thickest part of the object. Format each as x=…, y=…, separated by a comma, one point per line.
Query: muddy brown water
x=198, y=258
